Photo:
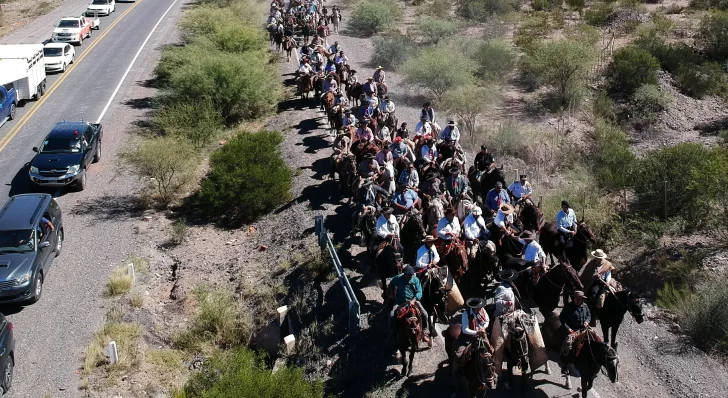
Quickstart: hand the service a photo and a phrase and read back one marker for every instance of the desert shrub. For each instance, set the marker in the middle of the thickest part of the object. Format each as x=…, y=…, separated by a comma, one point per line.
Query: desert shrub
x=545, y=5
x=242, y=374
x=532, y=28
x=563, y=64
x=603, y=107
x=391, y=52
x=174, y=57
x=434, y=29
x=119, y=282
x=599, y=14
x=169, y=163
x=247, y=177
x=586, y=34
x=576, y=5
x=438, y=8
x=480, y=10
x=239, y=87
x=126, y=336
x=197, y=122
x=647, y=102
x=713, y=34
x=709, y=4
x=613, y=161
x=468, y=102
x=371, y=17
x=631, y=68
x=673, y=57
x=699, y=81
x=495, y=59
x=432, y=69
x=223, y=29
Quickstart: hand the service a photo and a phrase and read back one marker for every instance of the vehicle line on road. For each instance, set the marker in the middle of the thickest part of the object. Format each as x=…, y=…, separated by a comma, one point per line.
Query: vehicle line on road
x=24, y=120
x=133, y=61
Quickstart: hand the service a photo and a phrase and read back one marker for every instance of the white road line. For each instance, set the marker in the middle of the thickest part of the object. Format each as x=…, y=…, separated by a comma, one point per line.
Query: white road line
x=118, y=87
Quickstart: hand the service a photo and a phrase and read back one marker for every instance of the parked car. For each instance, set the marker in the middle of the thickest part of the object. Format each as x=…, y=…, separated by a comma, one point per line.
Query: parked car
x=7, y=354
x=65, y=155
x=31, y=236
x=57, y=56
x=74, y=29
x=101, y=7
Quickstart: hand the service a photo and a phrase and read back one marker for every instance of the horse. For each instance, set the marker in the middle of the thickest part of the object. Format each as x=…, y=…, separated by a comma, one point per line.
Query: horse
x=346, y=167
x=510, y=339
x=353, y=93
x=290, y=45
x=531, y=216
x=412, y=233
x=409, y=334
x=589, y=359
x=453, y=255
x=479, y=366
x=435, y=213
x=481, y=271
x=434, y=295
x=306, y=86
x=388, y=262
x=576, y=249
x=389, y=120
x=611, y=315
x=381, y=90
x=336, y=118
x=343, y=73
x=546, y=293
x=489, y=179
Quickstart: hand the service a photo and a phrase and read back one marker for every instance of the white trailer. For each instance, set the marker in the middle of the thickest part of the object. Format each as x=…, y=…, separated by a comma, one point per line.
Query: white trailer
x=23, y=67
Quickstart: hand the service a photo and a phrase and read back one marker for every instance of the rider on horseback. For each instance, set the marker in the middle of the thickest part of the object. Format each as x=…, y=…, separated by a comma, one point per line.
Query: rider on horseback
x=368, y=165
x=427, y=256
x=353, y=78
x=599, y=274
x=521, y=189
x=379, y=76
x=387, y=106
x=502, y=223
x=349, y=122
x=575, y=317
x=451, y=132
x=484, y=161
x=334, y=48
x=401, y=150
x=567, y=223
x=474, y=323
x=474, y=230
x=341, y=59
x=423, y=128
x=455, y=183
x=388, y=229
x=408, y=290
x=404, y=199
x=342, y=144
x=409, y=176
x=534, y=255
x=428, y=114
x=370, y=88
x=429, y=150
x=330, y=67
x=505, y=298
x=330, y=85
x=363, y=133
x=496, y=197
x=448, y=228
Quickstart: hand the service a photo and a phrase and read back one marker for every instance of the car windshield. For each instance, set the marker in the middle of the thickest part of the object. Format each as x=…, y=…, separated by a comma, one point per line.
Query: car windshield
x=61, y=145
x=100, y=2
x=52, y=52
x=68, y=23
x=18, y=241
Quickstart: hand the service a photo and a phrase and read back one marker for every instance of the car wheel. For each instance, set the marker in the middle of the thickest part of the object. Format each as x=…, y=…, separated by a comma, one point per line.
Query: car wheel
x=59, y=243
x=42, y=89
x=73, y=58
x=97, y=155
x=8, y=374
x=81, y=184
x=11, y=116
x=37, y=288
x=63, y=69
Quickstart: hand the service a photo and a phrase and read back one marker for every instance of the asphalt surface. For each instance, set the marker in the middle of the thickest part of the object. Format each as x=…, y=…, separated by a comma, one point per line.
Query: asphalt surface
x=52, y=335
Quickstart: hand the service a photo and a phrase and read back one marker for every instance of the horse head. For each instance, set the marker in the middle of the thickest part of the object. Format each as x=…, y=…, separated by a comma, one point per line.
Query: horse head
x=584, y=233
x=412, y=322
x=611, y=363
x=571, y=277
x=634, y=306
x=485, y=364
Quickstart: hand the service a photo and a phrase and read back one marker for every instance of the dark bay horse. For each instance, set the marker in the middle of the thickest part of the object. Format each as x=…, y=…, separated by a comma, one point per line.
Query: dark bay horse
x=590, y=358
x=481, y=271
x=612, y=313
x=547, y=292
x=353, y=93
x=531, y=216
x=412, y=233
x=479, y=365
x=454, y=256
x=434, y=296
x=576, y=250
x=409, y=334
x=290, y=45
x=489, y=179
x=346, y=167
x=389, y=263
x=306, y=84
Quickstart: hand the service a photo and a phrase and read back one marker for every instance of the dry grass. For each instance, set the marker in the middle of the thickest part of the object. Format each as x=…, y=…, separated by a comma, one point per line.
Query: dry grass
x=141, y=264
x=136, y=300
x=126, y=335
x=165, y=360
x=120, y=281
x=179, y=232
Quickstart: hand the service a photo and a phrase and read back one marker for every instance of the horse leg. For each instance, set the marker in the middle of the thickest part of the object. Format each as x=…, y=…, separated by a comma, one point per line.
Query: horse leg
x=585, y=386
x=411, y=357
x=509, y=377
x=615, y=328
x=567, y=375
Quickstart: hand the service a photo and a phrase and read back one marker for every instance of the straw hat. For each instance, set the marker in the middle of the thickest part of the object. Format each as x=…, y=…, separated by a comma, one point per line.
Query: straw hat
x=599, y=253
x=579, y=293
x=506, y=208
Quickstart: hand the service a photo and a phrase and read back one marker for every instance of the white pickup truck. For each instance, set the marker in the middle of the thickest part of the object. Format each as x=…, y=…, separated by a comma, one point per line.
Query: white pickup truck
x=74, y=29
x=101, y=7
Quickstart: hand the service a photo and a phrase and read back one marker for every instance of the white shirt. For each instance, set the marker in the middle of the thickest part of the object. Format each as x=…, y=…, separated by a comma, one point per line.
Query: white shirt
x=534, y=252
x=473, y=227
x=504, y=299
x=342, y=59
x=387, y=106
x=565, y=220
x=306, y=69
x=425, y=256
x=445, y=226
x=387, y=227
x=519, y=190
x=481, y=321
x=501, y=220
x=451, y=133
x=423, y=129
x=426, y=153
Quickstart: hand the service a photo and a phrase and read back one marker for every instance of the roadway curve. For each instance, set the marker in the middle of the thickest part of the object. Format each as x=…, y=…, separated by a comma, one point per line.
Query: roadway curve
x=53, y=334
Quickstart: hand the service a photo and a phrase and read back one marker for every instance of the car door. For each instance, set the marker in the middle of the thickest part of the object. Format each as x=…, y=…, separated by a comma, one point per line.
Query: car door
x=67, y=54
x=4, y=341
x=4, y=108
x=90, y=147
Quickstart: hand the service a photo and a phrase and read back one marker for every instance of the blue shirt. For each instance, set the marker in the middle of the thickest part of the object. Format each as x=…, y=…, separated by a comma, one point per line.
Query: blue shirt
x=406, y=291
x=405, y=198
x=565, y=221
x=491, y=200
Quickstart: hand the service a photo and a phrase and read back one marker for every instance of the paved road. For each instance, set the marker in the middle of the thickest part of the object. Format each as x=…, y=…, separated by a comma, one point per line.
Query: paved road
x=52, y=335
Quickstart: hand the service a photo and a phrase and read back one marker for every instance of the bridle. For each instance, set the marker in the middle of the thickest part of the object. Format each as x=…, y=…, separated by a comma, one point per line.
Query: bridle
x=591, y=352
x=484, y=360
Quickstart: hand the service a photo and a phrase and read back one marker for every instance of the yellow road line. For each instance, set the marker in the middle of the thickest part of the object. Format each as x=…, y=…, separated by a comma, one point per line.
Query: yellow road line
x=24, y=120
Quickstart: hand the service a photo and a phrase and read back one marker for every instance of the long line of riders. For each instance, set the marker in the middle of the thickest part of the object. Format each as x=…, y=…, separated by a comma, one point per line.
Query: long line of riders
x=437, y=230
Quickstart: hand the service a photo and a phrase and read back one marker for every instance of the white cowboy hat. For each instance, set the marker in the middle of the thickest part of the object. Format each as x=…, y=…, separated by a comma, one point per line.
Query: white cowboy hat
x=599, y=253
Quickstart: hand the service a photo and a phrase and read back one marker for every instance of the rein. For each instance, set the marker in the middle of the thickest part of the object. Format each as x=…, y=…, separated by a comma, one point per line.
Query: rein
x=479, y=371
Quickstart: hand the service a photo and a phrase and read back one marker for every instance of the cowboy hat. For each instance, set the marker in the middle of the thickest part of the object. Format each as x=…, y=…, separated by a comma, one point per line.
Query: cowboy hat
x=475, y=303
x=341, y=132
x=454, y=170
x=369, y=156
x=490, y=246
x=348, y=112
x=451, y=123
x=429, y=238
x=386, y=97
x=370, y=78
x=379, y=67
x=387, y=211
x=578, y=293
x=528, y=235
x=450, y=210
x=523, y=176
x=599, y=253
x=477, y=211
x=508, y=274
x=506, y=208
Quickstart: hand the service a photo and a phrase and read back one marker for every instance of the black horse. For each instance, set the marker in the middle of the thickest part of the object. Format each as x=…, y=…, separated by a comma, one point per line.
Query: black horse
x=531, y=216
x=434, y=297
x=576, y=249
x=481, y=272
x=547, y=291
x=389, y=262
x=412, y=233
x=516, y=354
x=488, y=180
x=612, y=313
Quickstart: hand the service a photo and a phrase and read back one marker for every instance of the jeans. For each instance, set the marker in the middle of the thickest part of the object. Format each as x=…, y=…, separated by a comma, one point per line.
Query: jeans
x=425, y=316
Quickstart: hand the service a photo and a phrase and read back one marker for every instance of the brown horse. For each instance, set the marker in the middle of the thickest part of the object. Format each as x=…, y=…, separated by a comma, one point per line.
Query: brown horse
x=576, y=250
x=290, y=45
x=353, y=93
x=346, y=167
x=479, y=365
x=306, y=84
x=409, y=334
x=531, y=216
x=327, y=102
x=546, y=293
x=455, y=257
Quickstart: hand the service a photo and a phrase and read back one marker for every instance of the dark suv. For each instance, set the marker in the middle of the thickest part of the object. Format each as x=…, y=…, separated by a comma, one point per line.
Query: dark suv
x=7, y=354
x=65, y=155
x=31, y=235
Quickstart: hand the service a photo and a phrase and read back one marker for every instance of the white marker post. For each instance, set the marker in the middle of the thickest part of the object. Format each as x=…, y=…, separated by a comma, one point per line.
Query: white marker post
x=111, y=353
x=130, y=271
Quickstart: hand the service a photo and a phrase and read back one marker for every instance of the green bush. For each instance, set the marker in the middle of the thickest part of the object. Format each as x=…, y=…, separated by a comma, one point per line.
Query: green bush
x=599, y=14
x=239, y=87
x=613, y=161
x=439, y=8
x=563, y=64
x=576, y=5
x=372, y=17
x=603, y=107
x=392, y=52
x=480, y=10
x=435, y=29
x=647, y=102
x=532, y=28
x=586, y=34
x=713, y=34
x=433, y=69
x=247, y=178
x=495, y=59
x=197, y=122
x=169, y=163
x=242, y=374
x=709, y=4
x=545, y=5
x=175, y=57
x=468, y=102
x=631, y=68
x=223, y=29
x=699, y=81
